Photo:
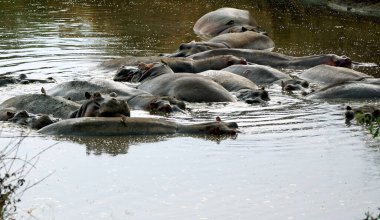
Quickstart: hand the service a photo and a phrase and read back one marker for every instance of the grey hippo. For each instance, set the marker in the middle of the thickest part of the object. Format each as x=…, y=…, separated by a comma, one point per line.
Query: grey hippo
x=328, y=75
x=136, y=98
x=225, y=20
x=5, y=79
x=276, y=59
x=34, y=121
x=117, y=126
x=245, y=40
x=243, y=88
x=159, y=79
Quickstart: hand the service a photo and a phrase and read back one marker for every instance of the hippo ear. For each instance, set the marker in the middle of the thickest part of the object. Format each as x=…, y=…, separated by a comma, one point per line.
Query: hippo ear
x=10, y=114
x=87, y=95
x=263, y=88
x=244, y=29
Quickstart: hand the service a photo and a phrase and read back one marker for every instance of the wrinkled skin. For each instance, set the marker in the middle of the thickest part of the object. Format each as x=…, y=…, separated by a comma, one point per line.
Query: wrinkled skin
x=363, y=90
x=243, y=88
x=31, y=120
x=98, y=106
x=245, y=40
x=276, y=59
x=22, y=79
x=117, y=126
x=224, y=20
x=41, y=104
x=195, y=66
x=159, y=79
x=329, y=75
x=136, y=98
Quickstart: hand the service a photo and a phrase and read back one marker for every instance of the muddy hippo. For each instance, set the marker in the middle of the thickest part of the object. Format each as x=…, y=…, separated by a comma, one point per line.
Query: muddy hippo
x=117, y=126
x=22, y=79
x=224, y=20
x=328, y=75
x=34, y=121
x=368, y=89
x=243, y=88
x=184, y=65
x=98, y=106
x=245, y=40
x=41, y=104
x=276, y=59
x=136, y=98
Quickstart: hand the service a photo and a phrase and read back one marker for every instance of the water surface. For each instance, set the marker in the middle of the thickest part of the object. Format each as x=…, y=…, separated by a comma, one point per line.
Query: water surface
x=294, y=159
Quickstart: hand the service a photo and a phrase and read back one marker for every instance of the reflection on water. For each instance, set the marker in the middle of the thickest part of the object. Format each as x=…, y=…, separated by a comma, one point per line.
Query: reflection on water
x=293, y=159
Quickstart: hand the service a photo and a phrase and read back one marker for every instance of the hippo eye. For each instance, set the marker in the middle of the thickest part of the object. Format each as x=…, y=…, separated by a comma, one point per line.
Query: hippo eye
x=231, y=22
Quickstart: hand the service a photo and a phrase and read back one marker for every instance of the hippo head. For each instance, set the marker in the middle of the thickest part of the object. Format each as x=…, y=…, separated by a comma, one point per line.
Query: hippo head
x=341, y=61
x=187, y=49
x=31, y=120
x=166, y=104
x=20, y=117
x=294, y=84
x=127, y=74
x=233, y=60
x=153, y=70
x=253, y=96
x=113, y=108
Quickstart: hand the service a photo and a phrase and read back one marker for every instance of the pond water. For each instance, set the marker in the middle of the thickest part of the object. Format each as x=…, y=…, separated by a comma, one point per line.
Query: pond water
x=293, y=159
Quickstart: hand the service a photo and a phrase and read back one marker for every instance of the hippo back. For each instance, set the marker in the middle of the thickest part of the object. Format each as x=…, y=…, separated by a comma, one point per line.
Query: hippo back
x=259, y=74
x=328, y=75
x=349, y=90
x=246, y=40
x=215, y=22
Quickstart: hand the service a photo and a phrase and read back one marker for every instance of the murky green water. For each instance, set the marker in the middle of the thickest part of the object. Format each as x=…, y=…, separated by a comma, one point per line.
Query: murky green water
x=294, y=159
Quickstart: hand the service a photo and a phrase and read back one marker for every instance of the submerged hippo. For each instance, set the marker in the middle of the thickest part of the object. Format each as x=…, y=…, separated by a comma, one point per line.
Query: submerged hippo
x=368, y=89
x=328, y=75
x=224, y=20
x=117, y=126
x=98, y=106
x=22, y=79
x=41, y=104
x=245, y=40
x=265, y=75
x=196, y=66
x=34, y=121
x=136, y=98
x=243, y=88
x=276, y=59
x=370, y=112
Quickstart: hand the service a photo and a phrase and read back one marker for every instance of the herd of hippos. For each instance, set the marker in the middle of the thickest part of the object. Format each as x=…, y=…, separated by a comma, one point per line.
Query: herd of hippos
x=233, y=63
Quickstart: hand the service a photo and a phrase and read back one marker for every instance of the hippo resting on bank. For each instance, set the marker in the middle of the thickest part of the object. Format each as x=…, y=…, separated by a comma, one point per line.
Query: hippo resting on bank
x=367, y=89
x=136, y=98
x=243, y=88
x=224, y=20
x=244, y=40
x=265, y=75
x=117, y=126
x=329, y=75
x=276, y=59
x=159, y=79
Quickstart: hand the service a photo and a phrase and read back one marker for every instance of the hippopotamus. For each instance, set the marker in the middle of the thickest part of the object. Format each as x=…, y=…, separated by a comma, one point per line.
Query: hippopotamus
x=328, y=75
x=22, y=79
x=225, y=20
x=243, y=88
x=34, y=121
x=246, y=40
x=129, y=61
x=276, y=59
x=117, y=126
x=98, y=106
x=370, y=112
x=159, y=79
x=265, y=75
x=196, y=66
x=41, y=104
x=136, y=98
x=367, y=89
